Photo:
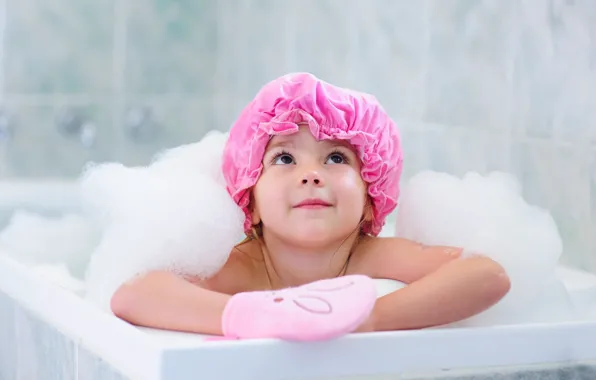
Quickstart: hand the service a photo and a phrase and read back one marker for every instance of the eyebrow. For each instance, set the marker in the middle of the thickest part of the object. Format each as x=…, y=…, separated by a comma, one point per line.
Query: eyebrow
x=338, y=142
x=282, y=143
x=289, y=143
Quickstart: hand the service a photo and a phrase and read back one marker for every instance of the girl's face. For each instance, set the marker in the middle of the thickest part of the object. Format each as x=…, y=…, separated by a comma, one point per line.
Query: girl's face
x=310, y=192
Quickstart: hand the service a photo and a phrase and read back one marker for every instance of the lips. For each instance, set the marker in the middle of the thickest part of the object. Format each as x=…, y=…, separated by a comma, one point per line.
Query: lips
x=313, y=203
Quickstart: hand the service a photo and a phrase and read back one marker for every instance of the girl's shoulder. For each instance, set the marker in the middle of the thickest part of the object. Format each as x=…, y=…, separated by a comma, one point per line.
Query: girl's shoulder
x=240, y=273
x=399, y=259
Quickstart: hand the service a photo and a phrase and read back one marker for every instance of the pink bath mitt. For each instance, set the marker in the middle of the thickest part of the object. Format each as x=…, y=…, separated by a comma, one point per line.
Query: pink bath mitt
x=320, y=310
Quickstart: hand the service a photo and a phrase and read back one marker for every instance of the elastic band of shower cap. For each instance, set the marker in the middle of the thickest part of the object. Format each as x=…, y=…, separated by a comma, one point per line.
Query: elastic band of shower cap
x=332, y=113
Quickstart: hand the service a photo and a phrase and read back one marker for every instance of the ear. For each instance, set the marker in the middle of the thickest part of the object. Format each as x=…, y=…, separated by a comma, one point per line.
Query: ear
x=254, y=211
x=367, y=213
x=256, y=217
x=368, y=216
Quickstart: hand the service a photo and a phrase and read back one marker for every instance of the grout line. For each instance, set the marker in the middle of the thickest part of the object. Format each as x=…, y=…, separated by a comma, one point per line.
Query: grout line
x=119, y=47
x=438, y=127
x=54, y=99
x=510, y=130
x=119, y=59
x=355, y=44
x=3, y=18
x=424, y=73
x=4, y=164
x=219, y=37
x=289, y=26
x=83, y=99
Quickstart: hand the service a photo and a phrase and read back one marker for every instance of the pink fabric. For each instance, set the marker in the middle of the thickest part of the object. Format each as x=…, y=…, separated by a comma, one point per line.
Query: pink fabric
x=321, y=310
x=331, y=113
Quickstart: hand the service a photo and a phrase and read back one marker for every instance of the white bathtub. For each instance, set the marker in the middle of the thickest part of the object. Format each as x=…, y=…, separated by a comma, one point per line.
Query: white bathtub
x=48, y=332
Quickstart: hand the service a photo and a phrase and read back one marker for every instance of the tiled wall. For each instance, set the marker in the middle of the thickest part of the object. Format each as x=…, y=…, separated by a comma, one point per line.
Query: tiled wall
x=475, y=85
x=32, y=349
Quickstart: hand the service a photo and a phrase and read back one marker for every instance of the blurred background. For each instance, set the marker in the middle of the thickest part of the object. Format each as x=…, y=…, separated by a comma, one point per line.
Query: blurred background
x=474, y=85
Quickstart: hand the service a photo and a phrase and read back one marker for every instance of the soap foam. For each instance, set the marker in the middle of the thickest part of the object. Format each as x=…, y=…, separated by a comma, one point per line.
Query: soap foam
x=487, y=215
x=174, y=214
x=39, y=240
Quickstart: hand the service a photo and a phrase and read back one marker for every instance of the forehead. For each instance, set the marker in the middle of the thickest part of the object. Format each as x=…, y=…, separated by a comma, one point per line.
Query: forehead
x=304, y=136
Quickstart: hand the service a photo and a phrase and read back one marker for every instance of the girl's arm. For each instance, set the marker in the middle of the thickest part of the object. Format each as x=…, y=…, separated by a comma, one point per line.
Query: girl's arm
x=166, y=301
x=443, y=288
x=457, y=290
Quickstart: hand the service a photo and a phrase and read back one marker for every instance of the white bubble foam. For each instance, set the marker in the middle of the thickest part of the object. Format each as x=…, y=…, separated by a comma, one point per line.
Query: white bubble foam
x=35, y=239
x=487, y=214
x=174, y=214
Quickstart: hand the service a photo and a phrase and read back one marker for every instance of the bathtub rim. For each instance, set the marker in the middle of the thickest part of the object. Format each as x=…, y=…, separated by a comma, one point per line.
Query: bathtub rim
x=419, y=350
x=80, y=321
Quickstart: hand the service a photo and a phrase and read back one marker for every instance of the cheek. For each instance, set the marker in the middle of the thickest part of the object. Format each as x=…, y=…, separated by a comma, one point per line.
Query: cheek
x=267, y=196
x=350, y=184
x=351, y=181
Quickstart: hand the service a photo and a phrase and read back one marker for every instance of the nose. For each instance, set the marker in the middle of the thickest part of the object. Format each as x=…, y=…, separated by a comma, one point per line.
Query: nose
x=312, y=177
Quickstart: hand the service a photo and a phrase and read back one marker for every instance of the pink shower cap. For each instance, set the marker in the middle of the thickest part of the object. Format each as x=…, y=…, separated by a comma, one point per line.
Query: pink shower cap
x=331, y=113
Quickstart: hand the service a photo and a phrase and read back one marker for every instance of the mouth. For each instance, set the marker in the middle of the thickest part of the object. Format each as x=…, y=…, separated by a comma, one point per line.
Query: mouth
x=313, y=203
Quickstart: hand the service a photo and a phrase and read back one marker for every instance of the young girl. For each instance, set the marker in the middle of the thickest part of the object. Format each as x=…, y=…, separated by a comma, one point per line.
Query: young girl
x=316, y=170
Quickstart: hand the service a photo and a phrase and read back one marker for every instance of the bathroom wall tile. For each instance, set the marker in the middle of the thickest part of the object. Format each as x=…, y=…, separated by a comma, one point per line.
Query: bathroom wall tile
x=456, y=150
x=472, y=71
x=571, y=195
x=42, y=352
x=535, y=88
x=571, y=176
x=576, y=236
x=414, y=148
x=39, y=147
x=532, y=163
x=452, y=150
x=388, y=53
x=8, y=340
x=497, y=152
x=226, y=110
x=591, y=227
x=436, y=150
x=575, y=112
x=550, y=70
x=170, y=46
x=322, y=39
x=467, y=80
x=584, y=255
x=592, y=177
x=91, y=367
x=58, y=46
x=555, y=105
x=171, y=122
x=254, y=44
x=574, y=47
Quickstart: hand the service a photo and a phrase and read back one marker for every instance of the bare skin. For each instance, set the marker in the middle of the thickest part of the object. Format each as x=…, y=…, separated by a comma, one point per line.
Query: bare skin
x=442, y=288
x=302, y=245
